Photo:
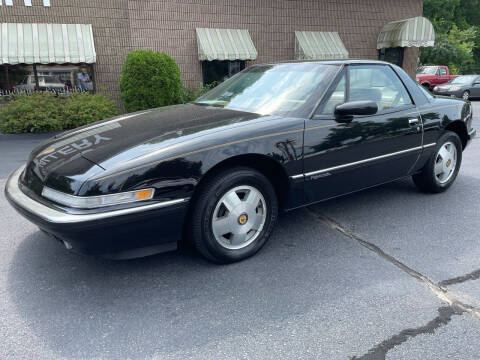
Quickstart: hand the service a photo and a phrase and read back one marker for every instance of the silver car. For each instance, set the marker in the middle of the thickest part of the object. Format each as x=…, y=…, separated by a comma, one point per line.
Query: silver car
x=45, y=82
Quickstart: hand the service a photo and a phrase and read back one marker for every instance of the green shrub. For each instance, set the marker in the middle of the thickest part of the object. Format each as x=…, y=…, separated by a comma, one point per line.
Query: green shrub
x=84, y=108
x=38, y=112
x=44, y=112
x=149, y=79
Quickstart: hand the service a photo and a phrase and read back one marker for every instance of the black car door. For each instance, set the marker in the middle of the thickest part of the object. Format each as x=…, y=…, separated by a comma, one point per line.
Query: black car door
x=343, y=157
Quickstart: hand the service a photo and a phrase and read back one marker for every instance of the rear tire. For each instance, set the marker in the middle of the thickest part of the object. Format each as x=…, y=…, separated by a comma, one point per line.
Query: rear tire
x=442, y=168
x=233, y=215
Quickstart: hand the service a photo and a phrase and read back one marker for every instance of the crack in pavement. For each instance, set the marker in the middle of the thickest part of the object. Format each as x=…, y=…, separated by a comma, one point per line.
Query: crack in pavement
x=454, y=307
x=380, y=351
x=474, y=275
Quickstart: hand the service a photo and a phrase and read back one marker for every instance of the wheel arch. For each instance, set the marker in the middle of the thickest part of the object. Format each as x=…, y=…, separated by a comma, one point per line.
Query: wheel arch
x=459, y=128
x=270, y=168
x=264, y=164
x=426, y=84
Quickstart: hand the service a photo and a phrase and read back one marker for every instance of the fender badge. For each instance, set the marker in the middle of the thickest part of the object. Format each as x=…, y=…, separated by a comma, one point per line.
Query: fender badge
x=318, y=176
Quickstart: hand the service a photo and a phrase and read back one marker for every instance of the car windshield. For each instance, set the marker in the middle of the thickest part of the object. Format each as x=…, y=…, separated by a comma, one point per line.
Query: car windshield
x=464, y=79
x=430, y=70
x=270, y=89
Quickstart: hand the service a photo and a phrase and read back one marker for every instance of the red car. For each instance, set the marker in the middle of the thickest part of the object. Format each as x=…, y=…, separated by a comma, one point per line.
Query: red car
x=429, y=76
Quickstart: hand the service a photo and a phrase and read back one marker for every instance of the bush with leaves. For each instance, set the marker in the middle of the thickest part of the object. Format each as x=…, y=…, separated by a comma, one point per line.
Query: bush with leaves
x=44, y=112
x=191, y=94
x=84, y=108
x=149, y=79
x=38, y=112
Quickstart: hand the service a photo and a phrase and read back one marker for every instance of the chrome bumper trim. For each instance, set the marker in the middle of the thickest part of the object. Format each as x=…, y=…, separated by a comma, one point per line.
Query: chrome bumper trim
x=46, y=213
x=472, y=133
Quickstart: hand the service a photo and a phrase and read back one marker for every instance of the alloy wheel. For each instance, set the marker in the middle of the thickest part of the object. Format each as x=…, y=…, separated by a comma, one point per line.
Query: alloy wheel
x=445, y=162
x=239, y=217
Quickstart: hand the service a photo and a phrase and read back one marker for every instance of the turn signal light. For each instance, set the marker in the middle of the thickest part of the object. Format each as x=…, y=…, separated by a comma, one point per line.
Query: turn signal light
x=144, y=194
x=92, y=202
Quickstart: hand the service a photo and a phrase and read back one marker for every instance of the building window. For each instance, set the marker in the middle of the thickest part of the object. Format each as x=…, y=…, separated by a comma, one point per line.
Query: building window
x=392, y=55
x=26, y=2
x=217, y=71
x=54, y=78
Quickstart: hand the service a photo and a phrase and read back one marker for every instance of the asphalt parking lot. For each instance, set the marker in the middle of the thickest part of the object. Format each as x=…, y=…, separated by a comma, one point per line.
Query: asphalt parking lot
x=387, y=273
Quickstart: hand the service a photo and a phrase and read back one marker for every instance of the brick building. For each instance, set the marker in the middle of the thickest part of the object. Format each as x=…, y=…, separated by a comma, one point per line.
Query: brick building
x=276, y=30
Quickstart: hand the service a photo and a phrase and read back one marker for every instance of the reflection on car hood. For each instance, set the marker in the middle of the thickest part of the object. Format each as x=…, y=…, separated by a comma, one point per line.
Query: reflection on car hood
x=80, y=153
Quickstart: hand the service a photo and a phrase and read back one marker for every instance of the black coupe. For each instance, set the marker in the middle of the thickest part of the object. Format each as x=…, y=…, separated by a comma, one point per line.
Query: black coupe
x=216, y=172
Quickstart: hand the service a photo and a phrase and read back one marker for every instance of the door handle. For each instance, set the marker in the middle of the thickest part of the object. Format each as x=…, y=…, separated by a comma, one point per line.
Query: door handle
x=413, y=121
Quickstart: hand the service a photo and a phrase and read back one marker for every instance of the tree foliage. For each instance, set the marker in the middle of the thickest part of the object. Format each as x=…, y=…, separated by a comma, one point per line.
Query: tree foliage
x=457, y=27
x=149, y=79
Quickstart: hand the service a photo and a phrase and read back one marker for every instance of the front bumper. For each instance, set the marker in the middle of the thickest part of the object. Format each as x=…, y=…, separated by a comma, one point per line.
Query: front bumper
x=124, y=233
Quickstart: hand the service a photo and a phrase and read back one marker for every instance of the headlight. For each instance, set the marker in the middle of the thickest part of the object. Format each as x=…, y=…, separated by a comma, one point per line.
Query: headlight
x=92, y=202
x=435, y=88
x=455, y=88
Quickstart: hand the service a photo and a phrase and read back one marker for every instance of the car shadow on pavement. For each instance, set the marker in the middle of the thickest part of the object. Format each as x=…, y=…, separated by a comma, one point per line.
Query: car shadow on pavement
x=82, y=306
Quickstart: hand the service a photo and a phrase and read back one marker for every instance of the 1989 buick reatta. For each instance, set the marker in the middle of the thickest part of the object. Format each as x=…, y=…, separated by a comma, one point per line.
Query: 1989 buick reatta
x=216, y=172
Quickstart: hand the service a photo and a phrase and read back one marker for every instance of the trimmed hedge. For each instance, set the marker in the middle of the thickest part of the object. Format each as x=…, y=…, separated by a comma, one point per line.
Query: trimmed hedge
x=84, y=108
x=149, y=79
x=44, y=112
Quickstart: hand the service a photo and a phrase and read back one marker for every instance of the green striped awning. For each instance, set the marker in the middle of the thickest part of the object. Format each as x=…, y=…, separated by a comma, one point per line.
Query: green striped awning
x=314, y=45
x=46, y=44
x=225, y=44
x=417, y=31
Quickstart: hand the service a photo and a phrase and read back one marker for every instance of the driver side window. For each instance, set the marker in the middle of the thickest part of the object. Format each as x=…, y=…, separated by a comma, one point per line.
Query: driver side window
x=377, y=83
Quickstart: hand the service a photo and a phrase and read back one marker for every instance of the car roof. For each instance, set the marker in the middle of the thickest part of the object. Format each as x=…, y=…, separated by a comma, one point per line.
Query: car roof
x=331, y=62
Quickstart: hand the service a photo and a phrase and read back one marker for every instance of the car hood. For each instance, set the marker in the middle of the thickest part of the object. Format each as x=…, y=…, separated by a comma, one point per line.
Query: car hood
x=68, y=159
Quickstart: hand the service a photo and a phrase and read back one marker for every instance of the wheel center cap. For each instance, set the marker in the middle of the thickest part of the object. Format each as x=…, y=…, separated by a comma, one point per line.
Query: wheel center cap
x=448, y=162
x=242, y=219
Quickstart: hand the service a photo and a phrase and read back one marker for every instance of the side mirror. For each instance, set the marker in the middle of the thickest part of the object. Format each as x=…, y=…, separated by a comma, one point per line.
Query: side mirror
x=345, y=112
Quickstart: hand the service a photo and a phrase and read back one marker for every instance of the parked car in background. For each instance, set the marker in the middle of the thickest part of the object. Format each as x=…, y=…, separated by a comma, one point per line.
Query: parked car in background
x=429, y=76
x=45, y=82
x=217, y=171
x=465, y=87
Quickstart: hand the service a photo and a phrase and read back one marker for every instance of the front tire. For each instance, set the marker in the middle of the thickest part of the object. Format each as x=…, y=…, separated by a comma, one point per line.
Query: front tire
x=466, y=95
x=233, y=215
x=442, y=168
